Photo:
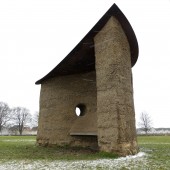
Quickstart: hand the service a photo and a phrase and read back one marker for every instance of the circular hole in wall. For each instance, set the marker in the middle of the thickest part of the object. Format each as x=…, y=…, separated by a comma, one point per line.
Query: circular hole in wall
x=80, y=110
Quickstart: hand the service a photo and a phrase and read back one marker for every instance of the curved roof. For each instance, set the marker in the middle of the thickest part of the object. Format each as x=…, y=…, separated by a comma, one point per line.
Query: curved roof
x=82, y=59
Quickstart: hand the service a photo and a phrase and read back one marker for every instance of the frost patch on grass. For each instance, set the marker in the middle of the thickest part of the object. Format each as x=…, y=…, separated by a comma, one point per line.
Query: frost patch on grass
x=140, y=154
x=138, y=161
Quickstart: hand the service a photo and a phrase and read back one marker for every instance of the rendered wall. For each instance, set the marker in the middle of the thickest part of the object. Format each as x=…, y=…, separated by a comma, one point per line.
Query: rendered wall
x=58, y=99
x=115, y=107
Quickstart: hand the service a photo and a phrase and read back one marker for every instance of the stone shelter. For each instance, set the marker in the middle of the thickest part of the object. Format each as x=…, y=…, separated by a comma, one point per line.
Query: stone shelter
x=95, y=78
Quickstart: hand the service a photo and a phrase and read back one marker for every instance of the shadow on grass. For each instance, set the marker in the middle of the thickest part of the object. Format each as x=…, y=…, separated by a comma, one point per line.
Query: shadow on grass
x=19, y=148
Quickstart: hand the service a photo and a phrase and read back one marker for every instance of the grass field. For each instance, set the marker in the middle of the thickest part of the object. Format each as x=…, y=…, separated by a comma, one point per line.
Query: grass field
x=22, y=153
x=157, y=149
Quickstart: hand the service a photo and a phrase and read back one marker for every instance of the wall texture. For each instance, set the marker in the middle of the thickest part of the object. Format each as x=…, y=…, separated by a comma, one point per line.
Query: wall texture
x=58, y=99
x=115, y=108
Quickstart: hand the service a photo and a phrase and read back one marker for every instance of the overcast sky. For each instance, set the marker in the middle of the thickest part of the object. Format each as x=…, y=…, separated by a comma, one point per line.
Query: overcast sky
x=35, y=35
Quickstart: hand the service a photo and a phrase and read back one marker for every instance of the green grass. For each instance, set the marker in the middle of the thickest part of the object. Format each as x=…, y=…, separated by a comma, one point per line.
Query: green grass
x=24, y=147
x=153, y=139
x=18, y=148
x=158, y=150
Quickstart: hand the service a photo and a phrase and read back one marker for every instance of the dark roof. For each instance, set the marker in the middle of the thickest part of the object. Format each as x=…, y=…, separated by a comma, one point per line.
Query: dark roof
x=82, y=59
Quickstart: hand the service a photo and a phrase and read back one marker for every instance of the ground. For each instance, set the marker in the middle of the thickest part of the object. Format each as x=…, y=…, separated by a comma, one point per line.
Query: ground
x=22, y=153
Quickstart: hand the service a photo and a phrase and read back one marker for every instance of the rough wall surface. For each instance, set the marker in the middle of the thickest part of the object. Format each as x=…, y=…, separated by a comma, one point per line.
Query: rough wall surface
x=107, y=94
x=58, y=99
x=115, y=107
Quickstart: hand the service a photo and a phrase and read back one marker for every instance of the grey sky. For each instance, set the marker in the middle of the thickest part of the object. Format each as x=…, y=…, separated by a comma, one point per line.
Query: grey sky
x=35, y=35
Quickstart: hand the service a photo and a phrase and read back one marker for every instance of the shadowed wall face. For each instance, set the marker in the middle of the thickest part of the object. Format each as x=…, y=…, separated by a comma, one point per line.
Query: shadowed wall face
x=58, y=100
x=115, y=108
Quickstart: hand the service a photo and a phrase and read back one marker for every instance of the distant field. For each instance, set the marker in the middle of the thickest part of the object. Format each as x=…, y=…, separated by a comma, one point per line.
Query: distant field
x=22, y=153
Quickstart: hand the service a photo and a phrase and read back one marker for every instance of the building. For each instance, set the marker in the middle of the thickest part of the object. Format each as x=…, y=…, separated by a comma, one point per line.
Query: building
x=96, y=79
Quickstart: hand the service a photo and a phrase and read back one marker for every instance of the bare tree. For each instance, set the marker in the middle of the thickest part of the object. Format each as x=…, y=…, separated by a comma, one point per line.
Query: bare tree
x=35, y=119
x=21, y=117
x=5, y=115
x=145, y=122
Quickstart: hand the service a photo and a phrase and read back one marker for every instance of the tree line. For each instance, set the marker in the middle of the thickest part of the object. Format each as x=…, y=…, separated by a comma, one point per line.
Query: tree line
x=18, y=116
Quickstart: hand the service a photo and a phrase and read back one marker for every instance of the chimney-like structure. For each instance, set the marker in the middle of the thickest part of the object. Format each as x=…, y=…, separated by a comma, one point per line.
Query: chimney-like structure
x=115, y=108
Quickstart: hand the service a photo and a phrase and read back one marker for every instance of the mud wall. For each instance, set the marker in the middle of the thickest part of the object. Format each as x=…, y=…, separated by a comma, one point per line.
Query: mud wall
x=115, y=107
x=58, y=99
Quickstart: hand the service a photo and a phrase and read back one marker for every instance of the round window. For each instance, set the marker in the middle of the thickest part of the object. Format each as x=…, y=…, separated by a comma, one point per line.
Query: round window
x=80, y=110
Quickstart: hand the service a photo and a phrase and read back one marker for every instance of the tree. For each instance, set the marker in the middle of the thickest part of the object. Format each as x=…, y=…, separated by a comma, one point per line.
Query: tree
x=35, y=119
x=21, y=117
x=145, y=122
x=5, y=115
